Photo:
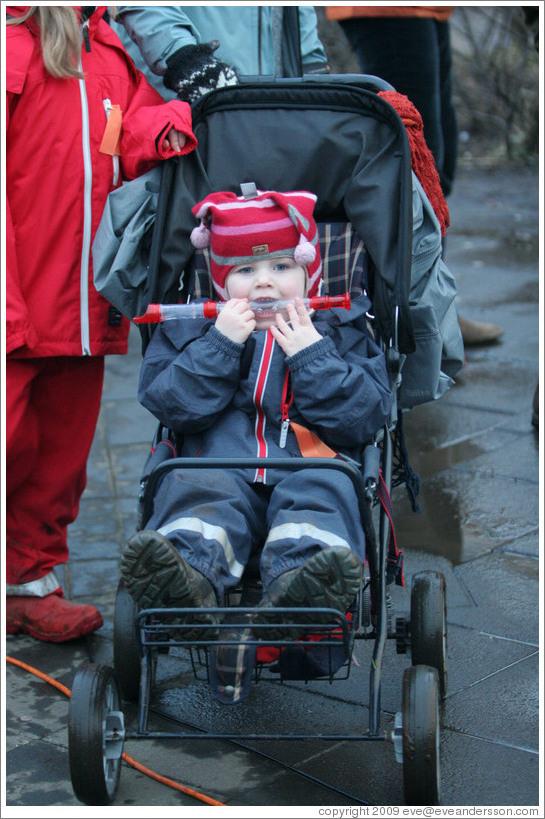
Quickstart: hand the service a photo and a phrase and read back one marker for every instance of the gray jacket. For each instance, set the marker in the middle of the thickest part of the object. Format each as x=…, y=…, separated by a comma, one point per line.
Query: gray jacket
x=247, y=36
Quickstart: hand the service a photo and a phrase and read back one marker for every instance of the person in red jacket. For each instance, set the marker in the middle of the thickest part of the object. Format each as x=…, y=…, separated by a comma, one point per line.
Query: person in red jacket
x=79, y=119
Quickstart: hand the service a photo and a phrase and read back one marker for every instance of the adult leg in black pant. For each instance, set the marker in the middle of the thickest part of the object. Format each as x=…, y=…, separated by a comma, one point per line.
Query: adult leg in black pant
x=414, y=56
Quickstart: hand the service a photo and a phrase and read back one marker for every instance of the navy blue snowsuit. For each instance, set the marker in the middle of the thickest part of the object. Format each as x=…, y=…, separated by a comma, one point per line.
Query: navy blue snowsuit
x=229, y=400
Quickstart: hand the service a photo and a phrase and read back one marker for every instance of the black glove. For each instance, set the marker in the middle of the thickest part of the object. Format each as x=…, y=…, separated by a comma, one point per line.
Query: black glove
x=193, y=71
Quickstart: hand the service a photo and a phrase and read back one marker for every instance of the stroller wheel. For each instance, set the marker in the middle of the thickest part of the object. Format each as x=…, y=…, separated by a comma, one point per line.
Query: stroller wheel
x=96, y=735
x=421, y=751
x=368, y=622
x=429, y=624
x=127, y=653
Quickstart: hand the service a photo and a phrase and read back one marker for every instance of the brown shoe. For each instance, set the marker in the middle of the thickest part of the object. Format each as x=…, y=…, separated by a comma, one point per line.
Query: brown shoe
x=477, y=332
x=329, y=579
x=157, y=576
x=51, y=618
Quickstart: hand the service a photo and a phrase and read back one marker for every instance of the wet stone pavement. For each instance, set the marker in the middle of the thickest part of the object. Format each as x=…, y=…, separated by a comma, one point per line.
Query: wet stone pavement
x=477, y=455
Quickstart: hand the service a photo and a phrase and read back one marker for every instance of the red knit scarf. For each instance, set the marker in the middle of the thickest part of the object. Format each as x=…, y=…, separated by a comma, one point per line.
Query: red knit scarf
x=422, y=160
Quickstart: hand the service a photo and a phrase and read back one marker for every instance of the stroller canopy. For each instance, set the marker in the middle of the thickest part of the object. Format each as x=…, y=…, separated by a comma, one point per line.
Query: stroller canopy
x=339, y=140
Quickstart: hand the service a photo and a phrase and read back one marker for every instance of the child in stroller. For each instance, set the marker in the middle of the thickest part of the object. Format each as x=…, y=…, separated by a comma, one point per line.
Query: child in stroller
x=260, y=385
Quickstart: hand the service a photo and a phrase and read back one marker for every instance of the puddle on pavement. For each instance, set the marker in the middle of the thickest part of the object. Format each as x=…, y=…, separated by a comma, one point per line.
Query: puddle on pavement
x=457, y=453
x=465, y=514
x=444, y=457
x=440, y=529
x=450, y=525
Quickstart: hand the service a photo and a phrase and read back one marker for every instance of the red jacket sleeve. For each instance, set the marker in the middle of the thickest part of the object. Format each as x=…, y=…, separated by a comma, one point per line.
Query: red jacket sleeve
x=19, y=329
x=146, y=123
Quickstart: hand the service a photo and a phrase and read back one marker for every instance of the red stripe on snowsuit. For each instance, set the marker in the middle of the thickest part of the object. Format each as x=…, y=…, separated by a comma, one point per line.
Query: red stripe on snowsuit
x=261, y=382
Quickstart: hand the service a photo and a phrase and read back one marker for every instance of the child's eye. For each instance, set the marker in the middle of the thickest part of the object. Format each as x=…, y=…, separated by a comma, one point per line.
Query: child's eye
x=281, y=266
x=245, y=270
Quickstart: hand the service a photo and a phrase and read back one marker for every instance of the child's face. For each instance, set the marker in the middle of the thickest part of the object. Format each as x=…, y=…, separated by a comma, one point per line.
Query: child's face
x=267, y=280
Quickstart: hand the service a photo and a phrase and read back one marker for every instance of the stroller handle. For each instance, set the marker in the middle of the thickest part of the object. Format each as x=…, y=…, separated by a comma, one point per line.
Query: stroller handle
x=367, y=81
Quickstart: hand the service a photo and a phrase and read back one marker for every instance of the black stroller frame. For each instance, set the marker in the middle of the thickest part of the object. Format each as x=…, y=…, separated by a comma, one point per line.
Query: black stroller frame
x=96, y=724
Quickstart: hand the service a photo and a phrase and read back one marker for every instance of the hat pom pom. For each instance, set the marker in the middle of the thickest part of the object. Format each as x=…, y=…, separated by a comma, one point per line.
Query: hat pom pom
x=305, y=253
x=200, y=236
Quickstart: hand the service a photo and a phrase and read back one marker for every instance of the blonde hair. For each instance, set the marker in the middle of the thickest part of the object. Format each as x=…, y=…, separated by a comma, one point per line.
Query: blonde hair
x=60, y=38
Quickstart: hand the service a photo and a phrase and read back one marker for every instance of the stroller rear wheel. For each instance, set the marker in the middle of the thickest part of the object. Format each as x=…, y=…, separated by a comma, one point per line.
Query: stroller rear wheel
x=421, y=745
x=96, y=734
x=429, y=624
x=127, y=654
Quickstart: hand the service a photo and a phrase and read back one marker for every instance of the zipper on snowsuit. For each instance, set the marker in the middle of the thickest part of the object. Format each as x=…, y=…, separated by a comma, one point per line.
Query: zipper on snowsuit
x=285, y=406
x=259, y=391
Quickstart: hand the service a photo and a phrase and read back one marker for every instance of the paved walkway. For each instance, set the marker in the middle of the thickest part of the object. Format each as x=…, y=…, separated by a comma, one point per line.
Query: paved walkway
x=477, y=455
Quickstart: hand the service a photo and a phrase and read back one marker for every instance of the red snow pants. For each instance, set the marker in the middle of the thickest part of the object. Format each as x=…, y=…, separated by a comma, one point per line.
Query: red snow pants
x=52, y=407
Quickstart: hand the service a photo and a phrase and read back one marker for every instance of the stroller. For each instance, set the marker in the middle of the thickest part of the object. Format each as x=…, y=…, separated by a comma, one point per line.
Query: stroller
x=336, y=137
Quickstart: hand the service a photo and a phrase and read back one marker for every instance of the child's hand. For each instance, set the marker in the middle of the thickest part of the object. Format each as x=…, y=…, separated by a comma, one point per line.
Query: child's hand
x=236, y=320
x=302, y=332
x=175, y=140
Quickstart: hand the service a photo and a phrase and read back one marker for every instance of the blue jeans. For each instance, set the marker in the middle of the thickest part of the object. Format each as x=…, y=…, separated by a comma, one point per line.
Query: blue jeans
x=414, y=56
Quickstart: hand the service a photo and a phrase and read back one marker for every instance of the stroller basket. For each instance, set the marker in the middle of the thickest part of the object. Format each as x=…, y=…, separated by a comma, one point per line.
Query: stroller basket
x=321, y=630
x=328, y=629
x=160, y=627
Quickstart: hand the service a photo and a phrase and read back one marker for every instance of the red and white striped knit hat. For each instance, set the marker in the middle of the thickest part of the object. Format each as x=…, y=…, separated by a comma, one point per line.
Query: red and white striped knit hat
x=265, y=224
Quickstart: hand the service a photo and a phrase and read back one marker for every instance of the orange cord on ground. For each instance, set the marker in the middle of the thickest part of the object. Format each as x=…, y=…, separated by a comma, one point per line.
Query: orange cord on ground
x=128, y=759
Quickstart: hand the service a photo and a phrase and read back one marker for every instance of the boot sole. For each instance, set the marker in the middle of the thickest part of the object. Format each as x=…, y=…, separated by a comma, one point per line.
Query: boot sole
x=329, y=579
x=156, y=577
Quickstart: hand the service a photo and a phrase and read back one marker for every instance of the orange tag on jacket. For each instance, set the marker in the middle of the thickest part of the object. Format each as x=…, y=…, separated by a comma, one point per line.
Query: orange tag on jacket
x=309, y=443
x=111, y=140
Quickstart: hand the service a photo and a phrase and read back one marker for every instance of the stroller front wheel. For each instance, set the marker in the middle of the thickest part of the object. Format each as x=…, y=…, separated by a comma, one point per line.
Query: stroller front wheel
x=96, y=734
x=421, y=742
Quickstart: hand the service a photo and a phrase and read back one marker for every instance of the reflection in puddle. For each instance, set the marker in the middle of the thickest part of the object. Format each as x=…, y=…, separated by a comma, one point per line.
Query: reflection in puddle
x=470, y=489
x=443, y=457
x=440, y=529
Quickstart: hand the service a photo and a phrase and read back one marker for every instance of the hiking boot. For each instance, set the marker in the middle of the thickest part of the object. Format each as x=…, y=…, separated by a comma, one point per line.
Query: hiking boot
x=157, y=576
x=51, y=618
x=329, y=579
x=478, y=332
